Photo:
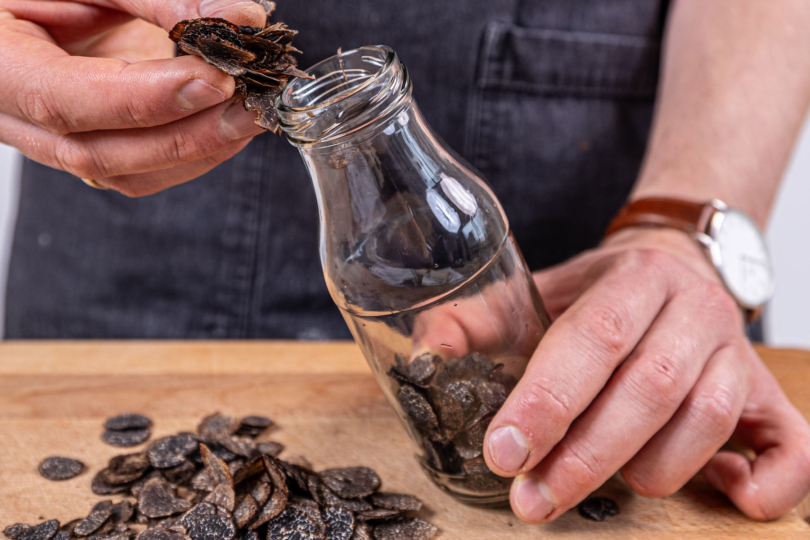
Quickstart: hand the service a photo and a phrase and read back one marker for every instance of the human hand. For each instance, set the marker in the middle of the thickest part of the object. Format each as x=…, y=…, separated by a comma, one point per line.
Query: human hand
x=646, y=370
x=91, y=89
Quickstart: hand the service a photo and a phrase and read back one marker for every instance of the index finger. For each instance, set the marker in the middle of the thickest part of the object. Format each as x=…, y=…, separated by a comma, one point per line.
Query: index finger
x=68, y=94
x=167, y=14
x=574, y=361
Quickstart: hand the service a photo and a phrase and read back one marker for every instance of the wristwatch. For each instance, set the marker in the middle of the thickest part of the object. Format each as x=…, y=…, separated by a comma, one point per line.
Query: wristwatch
x=733, y=243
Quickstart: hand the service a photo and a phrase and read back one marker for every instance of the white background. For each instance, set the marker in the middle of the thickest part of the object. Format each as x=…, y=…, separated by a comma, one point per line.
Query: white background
x=787, y=320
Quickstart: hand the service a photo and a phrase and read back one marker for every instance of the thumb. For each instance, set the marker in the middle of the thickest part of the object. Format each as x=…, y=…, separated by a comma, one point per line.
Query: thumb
x=167, y=14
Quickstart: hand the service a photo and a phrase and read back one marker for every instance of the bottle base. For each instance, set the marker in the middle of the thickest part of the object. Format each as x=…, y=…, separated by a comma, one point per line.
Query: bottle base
x=485, y=490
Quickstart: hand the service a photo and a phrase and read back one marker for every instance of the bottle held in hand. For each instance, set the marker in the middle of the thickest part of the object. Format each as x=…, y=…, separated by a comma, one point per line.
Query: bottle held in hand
x=418, y=256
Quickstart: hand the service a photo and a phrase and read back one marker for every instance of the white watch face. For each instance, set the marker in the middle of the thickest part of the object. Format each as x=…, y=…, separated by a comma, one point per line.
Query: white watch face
x=742, y=258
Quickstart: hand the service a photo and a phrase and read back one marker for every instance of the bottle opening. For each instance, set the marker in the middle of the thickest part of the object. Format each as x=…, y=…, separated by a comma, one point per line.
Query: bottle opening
x=350, y=91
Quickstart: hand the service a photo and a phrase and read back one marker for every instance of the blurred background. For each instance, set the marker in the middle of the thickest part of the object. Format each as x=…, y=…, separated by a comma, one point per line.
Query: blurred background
x=787, y=323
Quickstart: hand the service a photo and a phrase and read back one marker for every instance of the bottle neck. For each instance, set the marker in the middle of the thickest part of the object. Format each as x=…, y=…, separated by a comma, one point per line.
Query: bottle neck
x=353, y=92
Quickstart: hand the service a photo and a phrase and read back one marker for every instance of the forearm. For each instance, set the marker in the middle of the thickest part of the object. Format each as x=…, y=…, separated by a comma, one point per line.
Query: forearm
x=734, y=91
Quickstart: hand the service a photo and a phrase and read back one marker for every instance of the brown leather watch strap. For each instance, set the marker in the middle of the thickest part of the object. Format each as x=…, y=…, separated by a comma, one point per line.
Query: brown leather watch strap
x=687, y=216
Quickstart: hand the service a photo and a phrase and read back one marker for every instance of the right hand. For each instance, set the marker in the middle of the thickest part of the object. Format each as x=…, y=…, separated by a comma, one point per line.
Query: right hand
x=94, y=91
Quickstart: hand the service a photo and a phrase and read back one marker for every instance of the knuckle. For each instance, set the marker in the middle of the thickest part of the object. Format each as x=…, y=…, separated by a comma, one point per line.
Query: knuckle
x=36, y=102
x=646, y=261
x=716, y=411
x=583, y=465
x=718, y=301
x=181, y=148
x=539, y=397
x=606, y=330
x=657, y=381
x=76, y=158
x=138, y=113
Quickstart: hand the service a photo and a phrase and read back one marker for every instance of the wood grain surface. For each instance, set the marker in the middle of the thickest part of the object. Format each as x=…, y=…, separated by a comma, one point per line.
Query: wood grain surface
x=55, y=396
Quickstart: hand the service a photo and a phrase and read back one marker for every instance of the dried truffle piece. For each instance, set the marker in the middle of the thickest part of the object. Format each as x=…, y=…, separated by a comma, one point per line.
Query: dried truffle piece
x=422, y=368
x=353, y=505
x=260, y=491
x=477, y=363
x=379, y=514
x=156, y=500
x=124, y=439
x=449, y=412
x=223, y=496
x=256, y=421
x=241, y=446
x=70, y=525
x=212, y=528
x=406, y=529
x=129, y=463
x=339, y=523
x=351, y=482
x=171, y=451
x=44, y=531
x=363, y=531
x=491, y=394
x=276, y=473
x=417, y=408
x=395, y=501
x=260, y=60
x=127, y=421
x=598, y=508
x=62, y=535
x=216, y=425
x=180, y=474
x=98, y=516
x=235, y=465
x=296, y=518
x=254, y=425
x=161, y=534
x=464, y=393
x=13, y=532
x=202, y=481
x=217, y=449
x=60, y=468
x=137, y=486
x=217, y=469
x=198, y=512
x=272, y=509
x=122, y=511
x=298, y=475
x=244, y=510
x=111, y=478
x=271, y=448
x=100, y=487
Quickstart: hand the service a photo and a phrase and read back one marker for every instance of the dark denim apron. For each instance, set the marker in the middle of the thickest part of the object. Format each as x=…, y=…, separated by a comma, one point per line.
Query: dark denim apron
x=551, y=99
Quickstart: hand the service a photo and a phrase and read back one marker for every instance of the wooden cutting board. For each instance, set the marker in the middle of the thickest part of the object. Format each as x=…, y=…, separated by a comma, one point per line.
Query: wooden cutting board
x=55, y=396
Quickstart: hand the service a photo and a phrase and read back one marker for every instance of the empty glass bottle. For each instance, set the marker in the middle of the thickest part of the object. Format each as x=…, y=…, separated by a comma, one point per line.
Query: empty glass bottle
x=417, y=254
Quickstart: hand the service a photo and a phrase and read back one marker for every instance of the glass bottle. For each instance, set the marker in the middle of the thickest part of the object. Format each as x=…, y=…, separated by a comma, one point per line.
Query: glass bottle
x=418, y=256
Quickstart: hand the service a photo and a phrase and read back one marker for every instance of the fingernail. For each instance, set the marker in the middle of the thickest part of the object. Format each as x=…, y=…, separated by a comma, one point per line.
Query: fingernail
x=236, y=123
x=208, y=8
x=196, y=95
x=508, y=449
x=533, y=499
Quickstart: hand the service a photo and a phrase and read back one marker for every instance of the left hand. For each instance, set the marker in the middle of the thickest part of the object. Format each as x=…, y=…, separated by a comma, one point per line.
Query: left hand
x=646, y=370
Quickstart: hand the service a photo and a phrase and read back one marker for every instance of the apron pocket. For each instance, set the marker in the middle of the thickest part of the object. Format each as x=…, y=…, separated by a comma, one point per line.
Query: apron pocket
x=558, y=124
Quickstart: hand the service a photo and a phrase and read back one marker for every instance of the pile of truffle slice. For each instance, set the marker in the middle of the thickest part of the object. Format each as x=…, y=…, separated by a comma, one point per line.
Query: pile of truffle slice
x=220, y=484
